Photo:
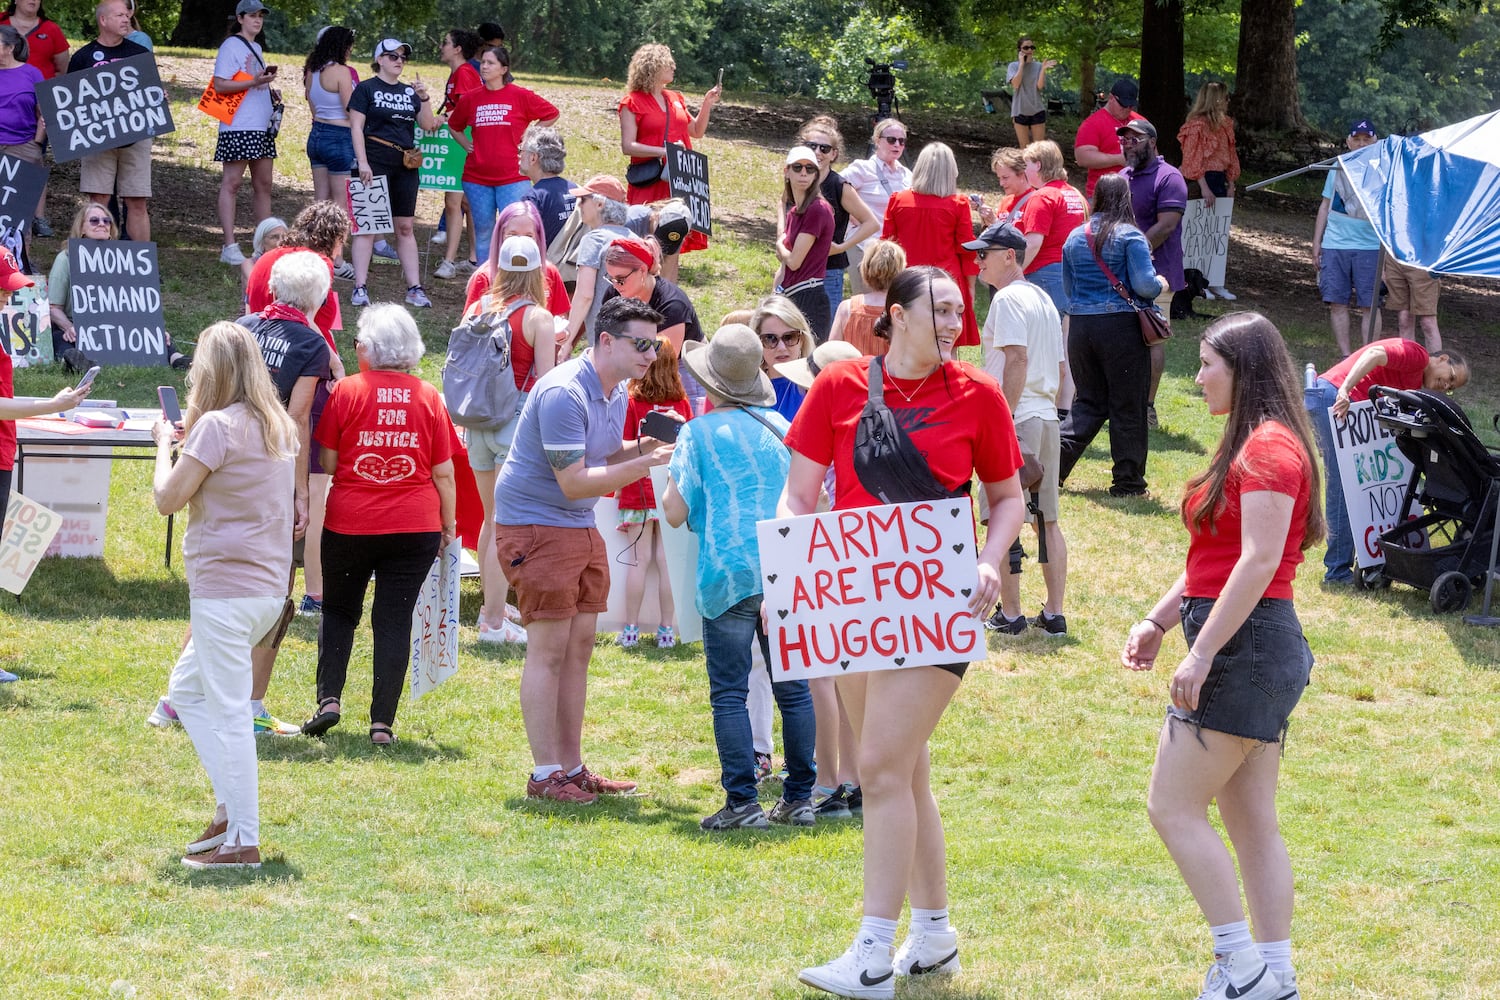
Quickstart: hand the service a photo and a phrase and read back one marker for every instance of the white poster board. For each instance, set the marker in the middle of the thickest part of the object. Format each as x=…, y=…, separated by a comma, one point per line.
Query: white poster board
x=874, y=588
x=369, y=207
x=681, y=548
x=77, y=488
x=1374, y=475
x=1205, y=238
x=434, y=623
x=24, y=536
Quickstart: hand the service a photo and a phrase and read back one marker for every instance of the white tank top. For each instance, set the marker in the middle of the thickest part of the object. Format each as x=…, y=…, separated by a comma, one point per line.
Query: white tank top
x=326, y=104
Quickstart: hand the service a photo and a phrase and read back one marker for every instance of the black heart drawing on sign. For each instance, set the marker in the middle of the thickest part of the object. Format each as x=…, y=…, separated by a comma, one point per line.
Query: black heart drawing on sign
x=955, y=511
x=900, y=660
x=958, y=546
x=784, y=531
x=782, y=614
x=966, y=591
x=772, y=577
x=843, y=664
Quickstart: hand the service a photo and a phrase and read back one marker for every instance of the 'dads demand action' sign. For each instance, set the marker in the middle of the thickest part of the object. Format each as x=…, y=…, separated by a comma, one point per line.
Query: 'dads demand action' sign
x=108, y=106
x=874, y=588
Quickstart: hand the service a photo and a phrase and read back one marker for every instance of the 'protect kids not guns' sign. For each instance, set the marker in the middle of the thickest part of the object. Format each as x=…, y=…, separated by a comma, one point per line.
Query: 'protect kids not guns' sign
x=1374, y=474
x=876, y=588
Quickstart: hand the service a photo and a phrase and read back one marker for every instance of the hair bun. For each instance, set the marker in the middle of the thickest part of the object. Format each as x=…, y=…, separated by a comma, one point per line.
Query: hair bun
x=882, y=327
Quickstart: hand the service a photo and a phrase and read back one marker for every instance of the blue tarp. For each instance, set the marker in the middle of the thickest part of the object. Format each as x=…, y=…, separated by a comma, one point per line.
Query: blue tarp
x=1434, y=199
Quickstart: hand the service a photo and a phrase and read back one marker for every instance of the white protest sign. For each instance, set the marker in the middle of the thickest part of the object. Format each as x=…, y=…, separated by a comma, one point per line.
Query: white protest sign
x=434, y=623
x=681, y=548
x=27, y=531
x=1374, y=475
x=370, y=207
x=873, y=588
x=1205, y=238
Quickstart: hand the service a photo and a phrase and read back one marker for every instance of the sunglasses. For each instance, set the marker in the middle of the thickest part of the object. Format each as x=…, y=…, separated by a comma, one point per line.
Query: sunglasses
x=618, y=280
x=803, y=168
x=394, y=55
x=895, y=140
x=641, y=344
x=981, y=254
x=1028, y=48
x=819, y=147
x=790, y=339
x=1126, y=140
x=98, y=220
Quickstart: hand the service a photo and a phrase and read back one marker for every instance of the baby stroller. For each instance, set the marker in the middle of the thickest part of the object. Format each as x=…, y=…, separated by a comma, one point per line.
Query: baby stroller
x=1446, y=550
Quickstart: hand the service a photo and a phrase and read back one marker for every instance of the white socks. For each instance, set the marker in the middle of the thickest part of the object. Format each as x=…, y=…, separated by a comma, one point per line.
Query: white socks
x=1230, y=938
x=930, y=920
x=544, y=771
x=881, y=929
x=1277, y=955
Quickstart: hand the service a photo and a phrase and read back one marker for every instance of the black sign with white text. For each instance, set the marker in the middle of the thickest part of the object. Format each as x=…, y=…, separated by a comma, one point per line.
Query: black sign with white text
x=687, y=173
x=115, y=302
x=21, y=185
x=111, y=105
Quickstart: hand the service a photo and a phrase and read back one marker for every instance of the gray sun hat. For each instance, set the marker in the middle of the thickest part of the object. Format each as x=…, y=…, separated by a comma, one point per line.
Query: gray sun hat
x=804, y=370
x=729, y=366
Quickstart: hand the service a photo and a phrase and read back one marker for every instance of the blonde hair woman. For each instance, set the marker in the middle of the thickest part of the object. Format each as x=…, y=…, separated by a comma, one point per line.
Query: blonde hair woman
x=1209, y=155
x=236, y=476
x=876, y=178
x=855, y=320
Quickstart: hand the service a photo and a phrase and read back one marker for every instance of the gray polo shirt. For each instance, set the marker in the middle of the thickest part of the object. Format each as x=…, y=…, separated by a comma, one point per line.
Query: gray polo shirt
x=567, y=410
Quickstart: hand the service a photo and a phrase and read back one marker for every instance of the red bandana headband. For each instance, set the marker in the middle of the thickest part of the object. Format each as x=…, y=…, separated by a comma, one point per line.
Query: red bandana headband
x=638, y=250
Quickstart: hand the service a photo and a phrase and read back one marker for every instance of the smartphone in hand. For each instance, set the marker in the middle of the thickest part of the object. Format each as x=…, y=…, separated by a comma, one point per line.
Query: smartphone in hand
x=170, y=410
x=661, y=427
x=88, y=378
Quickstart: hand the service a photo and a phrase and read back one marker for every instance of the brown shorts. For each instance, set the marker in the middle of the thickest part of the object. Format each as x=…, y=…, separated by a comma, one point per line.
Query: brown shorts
x=557, y=572
x=126, y=170
x=1411, y=289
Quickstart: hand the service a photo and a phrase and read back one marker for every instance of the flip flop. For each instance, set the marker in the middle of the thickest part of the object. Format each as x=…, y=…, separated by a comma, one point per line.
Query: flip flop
x=322, y=721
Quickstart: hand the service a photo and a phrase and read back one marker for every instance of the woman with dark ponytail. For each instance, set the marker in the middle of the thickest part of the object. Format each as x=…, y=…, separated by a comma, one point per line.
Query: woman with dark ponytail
x=955, y=417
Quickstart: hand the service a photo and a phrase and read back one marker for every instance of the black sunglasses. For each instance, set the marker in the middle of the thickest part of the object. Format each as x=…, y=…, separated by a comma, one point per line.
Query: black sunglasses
x=803, y=168
x=895, y=140
x=819, y=147
x=641, y=344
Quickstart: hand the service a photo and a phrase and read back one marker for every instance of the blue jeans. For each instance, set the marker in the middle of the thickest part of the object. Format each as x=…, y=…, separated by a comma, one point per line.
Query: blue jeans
x=485, y=203
x=726, y=645
x=833, y=287
x=330, y=146
x=1340, y=555
x=1050, y=280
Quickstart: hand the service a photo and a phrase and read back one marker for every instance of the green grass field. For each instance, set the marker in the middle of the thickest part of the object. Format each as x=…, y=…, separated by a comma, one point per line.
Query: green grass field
x=423, y=872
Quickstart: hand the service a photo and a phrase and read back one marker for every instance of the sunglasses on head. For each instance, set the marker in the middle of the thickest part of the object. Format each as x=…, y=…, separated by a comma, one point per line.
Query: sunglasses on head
x=803, y=168
x=895, y=140
x=641, y=344
x=819, y=147
x=789, y=339
x=618, y=280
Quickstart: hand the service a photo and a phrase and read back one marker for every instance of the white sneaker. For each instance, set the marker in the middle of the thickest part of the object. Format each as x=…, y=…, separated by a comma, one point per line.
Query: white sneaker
x=162, y=716
x=864, y=971
x=416, y=297
x=509, y=631
x=1208, y=293
x=928, y=953
x=343, y=269
x=232, y=255
x=1241, y=976
x=444, y=270
x=1220, y=292
x=360, y=296
x=439, y=238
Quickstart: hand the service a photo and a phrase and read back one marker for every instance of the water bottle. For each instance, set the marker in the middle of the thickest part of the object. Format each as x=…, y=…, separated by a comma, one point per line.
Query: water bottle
x=1310, y=376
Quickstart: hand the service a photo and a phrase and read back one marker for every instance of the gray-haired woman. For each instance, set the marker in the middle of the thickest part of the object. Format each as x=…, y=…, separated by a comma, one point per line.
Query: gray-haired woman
x=386, y=435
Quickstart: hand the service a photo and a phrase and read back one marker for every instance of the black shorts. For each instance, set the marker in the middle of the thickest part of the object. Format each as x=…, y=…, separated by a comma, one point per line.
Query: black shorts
x=386, y=162
x=1040, y=118
x=956, y=669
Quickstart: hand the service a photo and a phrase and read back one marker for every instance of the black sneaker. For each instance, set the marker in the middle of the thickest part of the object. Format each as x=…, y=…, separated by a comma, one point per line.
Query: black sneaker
x=855, y=800
x=1051, y=625
x=799, y=813
x=745, y=816
x=835, y=805
x=997, y=622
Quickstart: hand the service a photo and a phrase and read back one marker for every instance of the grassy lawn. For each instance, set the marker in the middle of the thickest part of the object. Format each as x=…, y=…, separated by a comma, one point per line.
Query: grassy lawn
x=423, y=871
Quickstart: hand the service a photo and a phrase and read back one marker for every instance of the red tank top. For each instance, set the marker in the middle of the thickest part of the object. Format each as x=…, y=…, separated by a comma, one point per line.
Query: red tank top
x=522, y=354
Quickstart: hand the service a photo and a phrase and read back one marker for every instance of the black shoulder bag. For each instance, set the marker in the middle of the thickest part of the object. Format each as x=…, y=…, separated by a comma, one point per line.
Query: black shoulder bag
x=886, y=460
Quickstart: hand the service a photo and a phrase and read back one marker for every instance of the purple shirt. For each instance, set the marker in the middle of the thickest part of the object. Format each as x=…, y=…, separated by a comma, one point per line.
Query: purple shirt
x=1160, y=188
x=18, y=104
x=817, y=222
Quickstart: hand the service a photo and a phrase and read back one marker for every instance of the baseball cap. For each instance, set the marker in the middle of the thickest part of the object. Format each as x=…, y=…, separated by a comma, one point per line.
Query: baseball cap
x=1126, y=92
x=1000, y=234
x=1363, y=127
x=11, y=277
x=519, y=254
x=601, y=184
x=392, y=45
x=251, y=7
x=801, y=154
x=1140, y=127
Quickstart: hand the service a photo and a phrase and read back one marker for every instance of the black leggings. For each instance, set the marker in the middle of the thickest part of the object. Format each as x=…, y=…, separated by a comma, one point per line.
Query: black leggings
x=399, y=563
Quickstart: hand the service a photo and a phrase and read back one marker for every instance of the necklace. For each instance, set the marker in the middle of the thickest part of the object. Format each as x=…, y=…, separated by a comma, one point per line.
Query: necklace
x=891, y=380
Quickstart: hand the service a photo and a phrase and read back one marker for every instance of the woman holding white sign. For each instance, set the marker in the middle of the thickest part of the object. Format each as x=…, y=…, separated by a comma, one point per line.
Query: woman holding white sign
x=249, y=138
x=1208, y=153
x=1250, y=516
x=953, y=424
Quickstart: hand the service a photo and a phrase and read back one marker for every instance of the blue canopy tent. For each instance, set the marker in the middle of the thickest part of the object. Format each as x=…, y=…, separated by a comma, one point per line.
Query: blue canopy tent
x=1434, y=199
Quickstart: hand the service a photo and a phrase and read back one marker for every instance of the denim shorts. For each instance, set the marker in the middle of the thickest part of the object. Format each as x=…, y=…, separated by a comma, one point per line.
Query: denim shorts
x=1257, y=677
x=329, y=146
x=1349, y=272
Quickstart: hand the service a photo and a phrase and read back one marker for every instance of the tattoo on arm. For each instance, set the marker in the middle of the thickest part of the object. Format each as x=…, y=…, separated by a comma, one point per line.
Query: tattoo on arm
x=560, y=460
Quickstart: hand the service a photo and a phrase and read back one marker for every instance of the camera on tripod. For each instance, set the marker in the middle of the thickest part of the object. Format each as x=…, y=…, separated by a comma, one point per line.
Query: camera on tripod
x=881, y=80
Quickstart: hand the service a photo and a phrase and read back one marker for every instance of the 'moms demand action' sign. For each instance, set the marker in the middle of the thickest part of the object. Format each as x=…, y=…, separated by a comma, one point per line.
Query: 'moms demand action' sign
x=115, y=300
x=106, y=107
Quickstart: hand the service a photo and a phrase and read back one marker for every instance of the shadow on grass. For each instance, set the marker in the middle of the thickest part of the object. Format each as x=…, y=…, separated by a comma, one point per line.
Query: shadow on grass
x=1163, y=440
x=653, y=810
x=352, y=742
x=274, y=868
x=1131, y=505
x=69, y=589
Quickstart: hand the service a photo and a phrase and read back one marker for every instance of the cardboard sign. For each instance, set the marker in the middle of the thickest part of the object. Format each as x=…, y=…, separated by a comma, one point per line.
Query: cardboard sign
x=442, y=161
x=21, y=186
x=1374, y=475
x=434, y=623
x=115, y=301
x=875, y=588
x=27, y=531
x=370, y=207
x=1205, y=238
x=26, y=324
x=681, y=549
x=106, y=107
x=223, y=106
x=687, y=175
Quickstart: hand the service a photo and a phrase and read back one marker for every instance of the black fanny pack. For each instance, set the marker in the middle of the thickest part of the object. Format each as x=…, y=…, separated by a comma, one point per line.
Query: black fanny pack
x=886, y=460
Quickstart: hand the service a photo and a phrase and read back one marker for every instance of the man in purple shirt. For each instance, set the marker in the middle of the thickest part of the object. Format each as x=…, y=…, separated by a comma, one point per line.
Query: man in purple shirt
x=1158, y=194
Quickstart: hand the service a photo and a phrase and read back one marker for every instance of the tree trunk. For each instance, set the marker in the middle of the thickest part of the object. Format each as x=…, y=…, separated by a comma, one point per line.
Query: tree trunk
x=201, y=23
x=1088, y=62
x=1265, y=88
x=1162, y=98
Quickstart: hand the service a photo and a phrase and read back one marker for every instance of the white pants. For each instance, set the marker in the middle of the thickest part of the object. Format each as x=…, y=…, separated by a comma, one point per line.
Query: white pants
x=210, y=692
x=760, y=701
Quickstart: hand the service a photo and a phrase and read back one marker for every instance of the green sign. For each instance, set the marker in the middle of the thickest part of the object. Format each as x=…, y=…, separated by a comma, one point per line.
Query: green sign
x=442, y=160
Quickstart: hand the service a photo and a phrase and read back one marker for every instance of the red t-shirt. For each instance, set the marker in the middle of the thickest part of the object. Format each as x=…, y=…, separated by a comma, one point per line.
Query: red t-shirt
x=1405, y=363
x=258, y=292
x=932, y=230
x=44, y=42
x=558, y=302
x=7, y=427
x=641, y=495
x=389, y=429
x=1271, y=460
x=460, y=82
x=1098, y=130
x=496, y=120
x=1055, y=209
x=960, y=424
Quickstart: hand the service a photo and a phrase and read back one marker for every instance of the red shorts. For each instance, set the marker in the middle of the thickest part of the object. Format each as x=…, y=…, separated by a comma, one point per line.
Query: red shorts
x=557, y=572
